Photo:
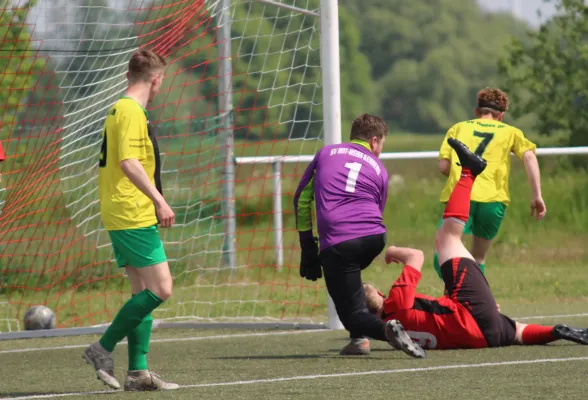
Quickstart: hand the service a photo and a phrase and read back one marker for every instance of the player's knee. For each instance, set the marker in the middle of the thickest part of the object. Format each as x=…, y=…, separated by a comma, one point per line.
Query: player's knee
x=163, y=290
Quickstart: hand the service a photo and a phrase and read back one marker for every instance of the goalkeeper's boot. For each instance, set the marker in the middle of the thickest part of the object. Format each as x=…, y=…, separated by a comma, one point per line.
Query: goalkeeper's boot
x=102, y=361
x=564, y=332
x=399, y=339
x=146, y=381
x=467, y=159
x=356, y=347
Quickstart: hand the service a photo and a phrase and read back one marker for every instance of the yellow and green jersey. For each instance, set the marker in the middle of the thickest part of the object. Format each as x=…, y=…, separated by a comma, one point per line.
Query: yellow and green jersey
x=126, y=136
x=494, y=141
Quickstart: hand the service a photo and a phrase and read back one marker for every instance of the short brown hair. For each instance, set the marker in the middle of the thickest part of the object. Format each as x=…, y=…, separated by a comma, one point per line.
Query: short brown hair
x=367, y=126
x=491, y=100
x=143, y=64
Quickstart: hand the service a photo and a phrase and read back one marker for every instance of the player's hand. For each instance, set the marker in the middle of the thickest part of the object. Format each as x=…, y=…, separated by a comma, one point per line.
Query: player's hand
x=538, y=208
x=310, y=263
x=165, y=215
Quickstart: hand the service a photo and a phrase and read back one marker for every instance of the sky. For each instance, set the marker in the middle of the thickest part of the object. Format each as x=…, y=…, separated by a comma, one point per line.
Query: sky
x=524, y=9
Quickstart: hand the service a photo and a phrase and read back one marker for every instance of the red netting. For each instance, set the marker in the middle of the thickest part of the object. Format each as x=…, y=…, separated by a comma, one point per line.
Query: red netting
x=64, y=64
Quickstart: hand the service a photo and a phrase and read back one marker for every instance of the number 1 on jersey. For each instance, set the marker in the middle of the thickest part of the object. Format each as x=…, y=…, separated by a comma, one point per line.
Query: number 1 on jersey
x=352, y=176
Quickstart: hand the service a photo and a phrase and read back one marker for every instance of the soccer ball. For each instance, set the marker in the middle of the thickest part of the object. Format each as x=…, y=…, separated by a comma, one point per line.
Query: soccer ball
x=39, y=317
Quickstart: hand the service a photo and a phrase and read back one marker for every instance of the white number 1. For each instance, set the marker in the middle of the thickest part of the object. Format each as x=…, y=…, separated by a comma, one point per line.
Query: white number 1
x=352, y=176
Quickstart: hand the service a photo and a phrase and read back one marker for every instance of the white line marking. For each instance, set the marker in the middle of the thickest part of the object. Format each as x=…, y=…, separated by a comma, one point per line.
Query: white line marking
x=323, y=376
x=172, y=340
x=551, y=316
x=244, y=335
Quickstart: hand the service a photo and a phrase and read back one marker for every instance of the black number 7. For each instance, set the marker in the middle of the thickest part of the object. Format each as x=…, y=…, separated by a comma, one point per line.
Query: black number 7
x=487, y=138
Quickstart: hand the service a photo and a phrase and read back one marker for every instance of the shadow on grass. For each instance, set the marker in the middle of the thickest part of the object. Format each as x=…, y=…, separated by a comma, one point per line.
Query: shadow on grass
x=372, y=350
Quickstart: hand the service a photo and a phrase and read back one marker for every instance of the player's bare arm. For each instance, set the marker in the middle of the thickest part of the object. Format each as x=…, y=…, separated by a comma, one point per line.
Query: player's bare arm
x=405, y=256
x=137, y=175
x=444, y=166
x=538, y=208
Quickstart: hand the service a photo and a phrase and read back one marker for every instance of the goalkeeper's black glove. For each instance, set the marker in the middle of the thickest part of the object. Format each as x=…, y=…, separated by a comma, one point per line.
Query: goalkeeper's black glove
x=310, y=263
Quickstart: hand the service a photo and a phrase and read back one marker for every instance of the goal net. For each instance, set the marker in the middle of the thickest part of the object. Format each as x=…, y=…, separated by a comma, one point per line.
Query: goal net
x=244, y=80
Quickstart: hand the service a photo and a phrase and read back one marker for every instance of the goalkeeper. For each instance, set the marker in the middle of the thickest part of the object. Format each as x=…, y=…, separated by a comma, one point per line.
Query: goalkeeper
x=131, y=207
x=467, y=315
x=494, y=140
x=350, y=185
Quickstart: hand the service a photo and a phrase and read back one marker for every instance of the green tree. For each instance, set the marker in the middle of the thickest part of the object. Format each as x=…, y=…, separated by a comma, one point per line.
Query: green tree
x=19, y=63
x=429, y=58
x=549, y=71
x=276, y=71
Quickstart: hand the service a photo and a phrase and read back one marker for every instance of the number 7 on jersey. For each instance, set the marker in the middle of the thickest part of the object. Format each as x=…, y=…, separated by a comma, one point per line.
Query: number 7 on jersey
x=352, y=176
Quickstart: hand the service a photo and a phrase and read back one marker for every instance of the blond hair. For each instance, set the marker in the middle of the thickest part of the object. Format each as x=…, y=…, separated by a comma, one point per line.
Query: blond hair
x=371, y=298
x=143, y=64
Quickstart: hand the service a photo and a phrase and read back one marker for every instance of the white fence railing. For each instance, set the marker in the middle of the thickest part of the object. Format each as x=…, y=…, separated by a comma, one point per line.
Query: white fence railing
x=277, y=162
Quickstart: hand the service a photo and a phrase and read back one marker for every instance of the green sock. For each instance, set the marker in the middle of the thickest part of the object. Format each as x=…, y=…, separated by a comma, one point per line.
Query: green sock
x=139, y=344
x=129, y=317
x=482, y=268
x=437, y=266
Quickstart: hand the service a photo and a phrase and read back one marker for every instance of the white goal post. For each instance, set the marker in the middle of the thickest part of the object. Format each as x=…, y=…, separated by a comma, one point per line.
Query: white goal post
x=89, y=60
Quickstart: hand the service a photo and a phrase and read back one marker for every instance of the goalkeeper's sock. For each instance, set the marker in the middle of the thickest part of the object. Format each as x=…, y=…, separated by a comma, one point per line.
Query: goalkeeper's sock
x=129, y=317
x=458, y=205
x=139, y=344
x=538, y=334
x=436, y=265
x=482, y=268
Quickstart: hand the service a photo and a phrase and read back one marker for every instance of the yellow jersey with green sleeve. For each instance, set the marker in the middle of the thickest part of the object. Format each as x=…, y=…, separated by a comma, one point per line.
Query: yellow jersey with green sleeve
x=494, y=141
x=125, y=136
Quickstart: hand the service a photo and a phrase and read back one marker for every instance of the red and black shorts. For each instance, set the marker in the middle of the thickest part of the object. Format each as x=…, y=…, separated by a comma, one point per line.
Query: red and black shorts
x=465, y=283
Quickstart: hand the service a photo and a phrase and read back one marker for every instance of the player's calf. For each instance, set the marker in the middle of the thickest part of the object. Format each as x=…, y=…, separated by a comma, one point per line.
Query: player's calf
x=457, y=209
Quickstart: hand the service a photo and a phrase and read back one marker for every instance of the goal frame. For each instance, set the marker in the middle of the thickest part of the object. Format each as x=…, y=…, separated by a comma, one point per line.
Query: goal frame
x=330, y=71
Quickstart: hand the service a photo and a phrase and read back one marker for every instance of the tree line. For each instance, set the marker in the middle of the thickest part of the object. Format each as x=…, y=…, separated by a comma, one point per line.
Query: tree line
x=417, y=64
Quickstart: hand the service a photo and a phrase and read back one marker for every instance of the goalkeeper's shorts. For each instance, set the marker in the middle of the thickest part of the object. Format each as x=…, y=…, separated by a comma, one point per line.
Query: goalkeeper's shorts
x=141, y=247
x=485, y=219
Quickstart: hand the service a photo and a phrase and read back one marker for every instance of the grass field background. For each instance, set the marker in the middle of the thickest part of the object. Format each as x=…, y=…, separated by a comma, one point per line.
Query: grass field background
x=297, y=364
x=537, y=270
x=529, y=261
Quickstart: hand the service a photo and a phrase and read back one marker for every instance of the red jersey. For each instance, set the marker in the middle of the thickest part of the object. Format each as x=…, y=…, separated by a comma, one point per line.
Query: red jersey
x=434, y=323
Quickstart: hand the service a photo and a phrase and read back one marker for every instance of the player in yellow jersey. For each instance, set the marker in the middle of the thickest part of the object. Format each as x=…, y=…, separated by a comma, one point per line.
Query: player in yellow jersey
x=494, y=140
x=132, y=206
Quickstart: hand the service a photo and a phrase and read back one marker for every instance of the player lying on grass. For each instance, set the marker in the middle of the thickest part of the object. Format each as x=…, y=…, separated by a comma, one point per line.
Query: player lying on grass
x=467, y=315
x=489, y=137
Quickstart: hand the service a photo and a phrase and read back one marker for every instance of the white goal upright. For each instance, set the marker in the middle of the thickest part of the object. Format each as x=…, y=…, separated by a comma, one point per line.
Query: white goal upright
x=246, y=78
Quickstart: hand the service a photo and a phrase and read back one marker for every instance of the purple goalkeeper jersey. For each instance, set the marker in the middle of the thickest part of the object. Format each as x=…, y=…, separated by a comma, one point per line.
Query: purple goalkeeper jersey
x=349, y=185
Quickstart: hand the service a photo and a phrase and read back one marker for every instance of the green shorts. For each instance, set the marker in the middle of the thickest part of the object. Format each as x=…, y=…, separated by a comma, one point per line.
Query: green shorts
x=141, y=247
x=485, y=219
